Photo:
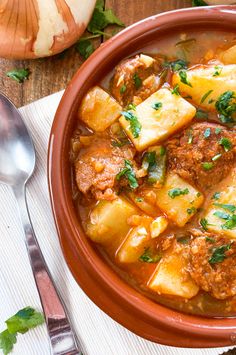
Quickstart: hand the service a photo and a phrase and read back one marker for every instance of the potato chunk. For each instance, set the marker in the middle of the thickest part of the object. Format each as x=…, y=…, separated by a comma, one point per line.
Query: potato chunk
x=108, y=221
x=228, y=56
x=178, y=199
x=219, y=217
x=160, y=115
x=134, y=245
x=171, y=277
x=205, y=80
x=98, y=109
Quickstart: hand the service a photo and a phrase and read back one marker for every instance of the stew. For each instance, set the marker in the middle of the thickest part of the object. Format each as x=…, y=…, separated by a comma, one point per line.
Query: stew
x=154, y=175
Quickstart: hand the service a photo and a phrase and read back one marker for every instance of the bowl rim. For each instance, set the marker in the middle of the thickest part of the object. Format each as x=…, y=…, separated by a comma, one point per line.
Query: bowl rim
x=105, y=288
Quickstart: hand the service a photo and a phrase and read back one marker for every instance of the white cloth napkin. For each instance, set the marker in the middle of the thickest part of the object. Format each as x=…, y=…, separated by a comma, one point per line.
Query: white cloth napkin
x=99, y=334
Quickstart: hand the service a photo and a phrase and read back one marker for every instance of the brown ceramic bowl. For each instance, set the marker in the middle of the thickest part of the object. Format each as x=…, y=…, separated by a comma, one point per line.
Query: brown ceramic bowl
x=104, y=287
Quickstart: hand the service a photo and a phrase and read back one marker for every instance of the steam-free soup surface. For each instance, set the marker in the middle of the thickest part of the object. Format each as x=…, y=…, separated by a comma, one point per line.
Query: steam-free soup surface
x=154, y=176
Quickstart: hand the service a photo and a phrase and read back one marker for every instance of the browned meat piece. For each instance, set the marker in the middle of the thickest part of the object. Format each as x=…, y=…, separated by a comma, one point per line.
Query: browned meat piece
x=213, y=265
x=97, y=166
x=135, y=79
x=203, y=154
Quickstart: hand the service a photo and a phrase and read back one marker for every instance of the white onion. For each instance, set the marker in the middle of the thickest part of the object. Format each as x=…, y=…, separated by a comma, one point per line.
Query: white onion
x=39, y=28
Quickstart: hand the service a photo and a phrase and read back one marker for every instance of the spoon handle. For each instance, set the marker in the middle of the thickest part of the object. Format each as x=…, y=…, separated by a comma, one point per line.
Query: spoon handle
x=62, y=337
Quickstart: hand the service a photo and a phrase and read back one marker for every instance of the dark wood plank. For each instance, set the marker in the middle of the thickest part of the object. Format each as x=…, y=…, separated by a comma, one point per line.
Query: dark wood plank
x=53, y=74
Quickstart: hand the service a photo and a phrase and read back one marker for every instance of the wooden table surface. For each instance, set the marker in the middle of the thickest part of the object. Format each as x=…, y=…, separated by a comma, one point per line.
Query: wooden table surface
x=53, y=74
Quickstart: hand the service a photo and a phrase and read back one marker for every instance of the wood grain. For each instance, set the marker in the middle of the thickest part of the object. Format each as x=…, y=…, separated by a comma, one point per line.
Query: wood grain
x=53, y=74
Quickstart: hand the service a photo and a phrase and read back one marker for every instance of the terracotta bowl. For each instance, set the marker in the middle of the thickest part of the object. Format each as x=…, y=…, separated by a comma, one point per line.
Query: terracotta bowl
x=102, y=285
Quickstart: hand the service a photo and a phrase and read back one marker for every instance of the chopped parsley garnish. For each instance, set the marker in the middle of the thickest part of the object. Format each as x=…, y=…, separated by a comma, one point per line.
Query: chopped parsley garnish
x=184, y=78
x=135, y=125
x=216, y=157
x=148, y=257
x=120, y=142
x=226, y=143
x=178, y=65
x=177, y=192
x=102, y=18
x=210, y=240
x=230, y=223
x=222, y=215
x=206, y=96
x=157, y=105
x=137, y=81
x=216, y=196
x=131, y=107
x=191, y=210
x=218, y=130
x=199, y=3
x=139, y=199
x=183, y=240
x=123, y=89
x=218, y=254
x=226, y=106
x=198, y=194
x=211, y=101
x=129, y=174
x=227, y=207
x=19, y=75
x=84, y=47
x=154, y=162
x=204, y=223
x=24, y=320
x=217, y=71
x=175, y=90
x=207, y=133
x=207, y=165
x=201, y=114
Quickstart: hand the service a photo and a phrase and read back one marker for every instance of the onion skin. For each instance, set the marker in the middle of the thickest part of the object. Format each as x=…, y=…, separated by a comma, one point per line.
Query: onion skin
x=40, y=28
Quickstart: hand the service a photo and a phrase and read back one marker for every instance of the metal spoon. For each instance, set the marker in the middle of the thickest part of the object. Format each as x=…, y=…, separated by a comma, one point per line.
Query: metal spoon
x=17, y=162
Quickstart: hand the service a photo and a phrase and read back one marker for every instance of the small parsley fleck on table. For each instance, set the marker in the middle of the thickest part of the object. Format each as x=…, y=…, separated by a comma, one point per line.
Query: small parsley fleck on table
x=19, y=75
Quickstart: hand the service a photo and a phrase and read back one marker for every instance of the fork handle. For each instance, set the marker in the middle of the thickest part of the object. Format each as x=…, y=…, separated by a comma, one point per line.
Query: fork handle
x=62, y=336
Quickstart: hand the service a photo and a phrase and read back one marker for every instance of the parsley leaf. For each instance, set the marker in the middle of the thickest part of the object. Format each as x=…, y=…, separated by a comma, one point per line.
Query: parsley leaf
x=102, y=18
x=154, y=162
x=226, y=207
x=7, y=341
x=204, y=223
x=183, y=78
x=218, y=254
x=135, y=125
x=210, y=240
x=123, y=89
x=24, y=320
x=19, y=75
x=216, y=196
x=137, y=81
x=207, y=165
x=230, y=223
x=226, y=106
x=147, y=257
x=157, y=105
x=27, y=318
x=201, y=114
x=199, y=3
x=226, y=143
x=175, y=90
x=177, y=192
x=178, y=65
x=205, y=96
x=84, y=47
x=217, y=71
x=218, y=130
x=221, y=215
x=207, y=133
x=129, y=173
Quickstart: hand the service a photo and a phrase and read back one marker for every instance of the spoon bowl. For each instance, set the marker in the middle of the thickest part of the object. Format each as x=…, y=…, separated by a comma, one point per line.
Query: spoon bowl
x=17, y=154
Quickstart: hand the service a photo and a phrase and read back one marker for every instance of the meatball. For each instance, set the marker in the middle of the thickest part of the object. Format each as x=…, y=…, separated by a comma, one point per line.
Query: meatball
x=213, y=264
x=98, y=164
x=135, y=79
x=203, y=154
